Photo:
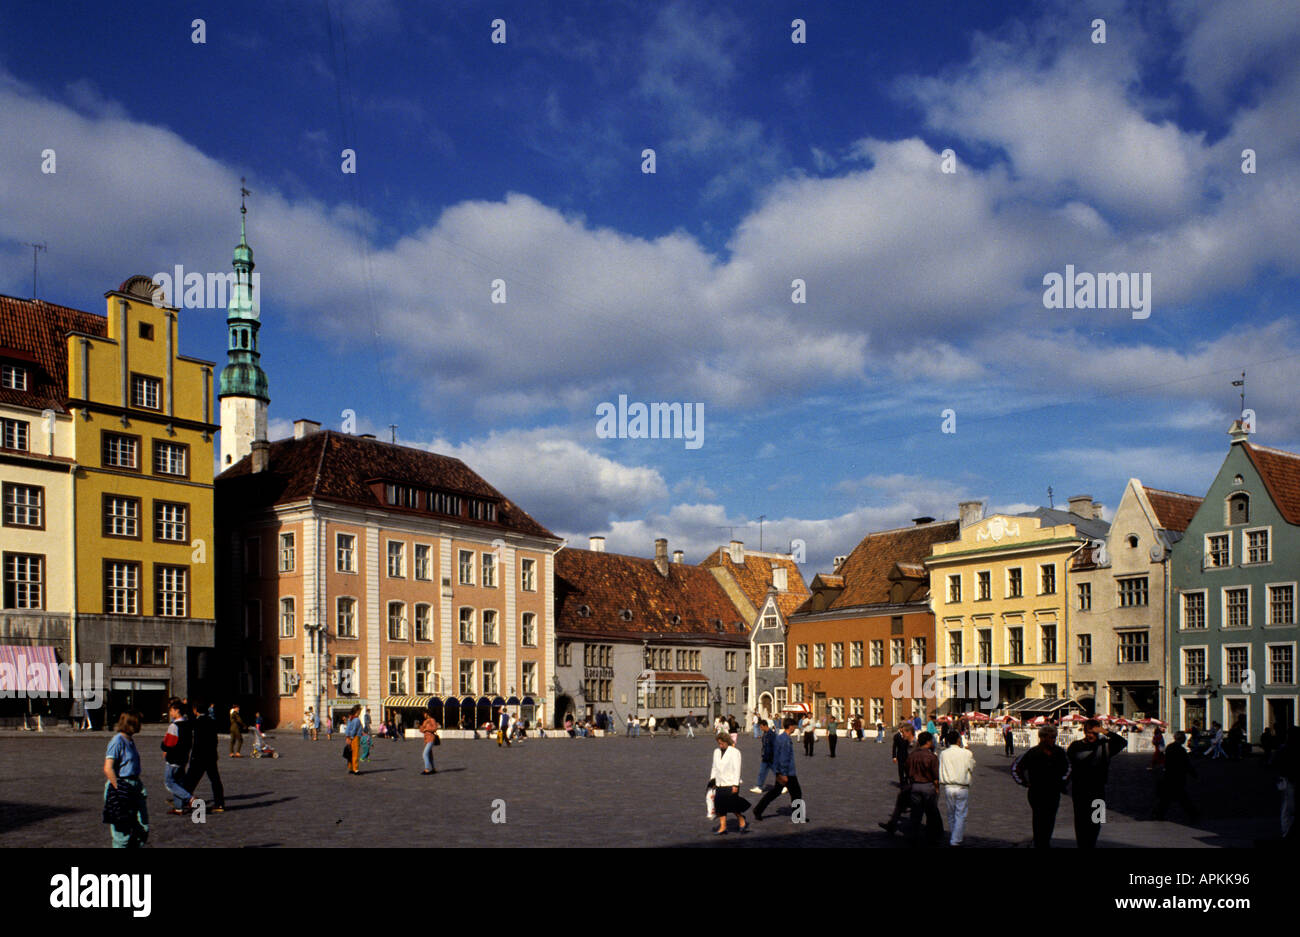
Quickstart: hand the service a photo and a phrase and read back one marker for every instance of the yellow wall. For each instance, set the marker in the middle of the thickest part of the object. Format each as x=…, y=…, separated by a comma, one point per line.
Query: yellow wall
x=102, y=413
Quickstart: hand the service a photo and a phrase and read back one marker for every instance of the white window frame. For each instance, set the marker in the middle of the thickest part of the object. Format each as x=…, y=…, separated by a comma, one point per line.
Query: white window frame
x=527, y=574
x=338, y=553
x=285, y=688
x=355, y=630
x=528, y=678
x=488, y=564
x=288, y=626
x=1223, y=606
x=460, y=625
x=1223, y=716
x=461, y=567
x=1006, y=582
x=1268, y=663
x=496, y=626
x=524, y=628
x=470, y=689
x=1024, y=645
x=141, y=384
x=12, y=377
x=1268, y=601
x=402, y=630
x=1245, y=545
x=288, y=552
x=415, y=628
x=1205, y=554
x=428, y=562
x=1182, y=664
x=949, y=600
x=1182, y=609
x=1055, y=582
x=400, y=556
x=495, y=670
x=402, y=671
x=975, y=585
x=170, y=458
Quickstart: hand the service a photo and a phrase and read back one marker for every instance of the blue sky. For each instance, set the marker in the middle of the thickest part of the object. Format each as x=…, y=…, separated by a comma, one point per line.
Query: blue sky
x=819, y=161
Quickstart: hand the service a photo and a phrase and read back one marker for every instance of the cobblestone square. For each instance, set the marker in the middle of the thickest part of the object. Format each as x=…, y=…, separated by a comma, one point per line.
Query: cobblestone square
x=575, y=792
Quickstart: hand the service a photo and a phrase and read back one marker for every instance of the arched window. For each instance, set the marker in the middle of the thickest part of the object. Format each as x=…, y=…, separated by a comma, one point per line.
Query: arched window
x=1239, y=508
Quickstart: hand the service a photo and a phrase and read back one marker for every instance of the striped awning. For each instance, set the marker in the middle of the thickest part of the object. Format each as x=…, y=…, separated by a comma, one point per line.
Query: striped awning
x=29, y=670
x=407, y=702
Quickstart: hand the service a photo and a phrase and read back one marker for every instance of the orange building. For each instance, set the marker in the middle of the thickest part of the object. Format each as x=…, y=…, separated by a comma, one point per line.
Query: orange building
x=871, y=614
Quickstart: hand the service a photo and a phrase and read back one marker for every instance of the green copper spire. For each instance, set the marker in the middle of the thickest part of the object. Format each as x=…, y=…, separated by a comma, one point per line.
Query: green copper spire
x=243, y=375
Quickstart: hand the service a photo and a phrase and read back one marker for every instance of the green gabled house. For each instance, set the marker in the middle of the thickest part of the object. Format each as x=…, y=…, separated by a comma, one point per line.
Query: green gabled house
x=1232, y=628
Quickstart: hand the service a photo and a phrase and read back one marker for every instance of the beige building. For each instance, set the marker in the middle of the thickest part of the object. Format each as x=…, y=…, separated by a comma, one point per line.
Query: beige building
x=1119, y=595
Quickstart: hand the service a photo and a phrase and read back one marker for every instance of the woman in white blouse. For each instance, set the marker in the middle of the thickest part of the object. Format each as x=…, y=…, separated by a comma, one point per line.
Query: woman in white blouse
x=726, y=781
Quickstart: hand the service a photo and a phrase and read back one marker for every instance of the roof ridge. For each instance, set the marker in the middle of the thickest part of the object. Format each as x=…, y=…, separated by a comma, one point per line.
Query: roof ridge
x=1176, y=494
x=1274, y=450
x=894, y=530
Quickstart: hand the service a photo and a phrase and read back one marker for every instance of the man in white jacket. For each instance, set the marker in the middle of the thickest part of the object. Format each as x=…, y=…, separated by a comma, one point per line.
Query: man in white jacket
x=956, y=767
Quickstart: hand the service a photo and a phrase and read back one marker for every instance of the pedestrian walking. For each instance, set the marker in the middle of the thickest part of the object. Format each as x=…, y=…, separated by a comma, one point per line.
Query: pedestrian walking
x=354, y=731
x=176, y=745
x=753, y=724
x=203, y=757
x=237, y=728
x=917, y=724
x=784, y=768
x=429, y=727
x=690, y=725
x=880, y=732
x=832, y=734
x=327, y=723
x=306, y=724
x=1009, y=740
x=1216, y=745
x=1171, y=785
x=1288, y=764
x=503, y=728
x=1089, y=766
x=629, y=725
x=902, y=748
x=725, y=778
x=923, y=799
x=856, y=729
x=766, y=737
x=85, y=718
x=809, y=735
x=1044, y=769
x=366, y=738
x=956, y=769
x=651, y=725
x=1157, y=749
x=125, y=799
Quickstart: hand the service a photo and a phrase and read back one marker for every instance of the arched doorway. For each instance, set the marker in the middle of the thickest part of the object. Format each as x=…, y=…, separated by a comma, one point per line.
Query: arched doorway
x=765, y=705
x=563, y=706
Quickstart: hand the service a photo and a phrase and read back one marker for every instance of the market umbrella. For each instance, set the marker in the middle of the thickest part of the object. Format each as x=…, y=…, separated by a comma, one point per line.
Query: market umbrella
x=1155, y=722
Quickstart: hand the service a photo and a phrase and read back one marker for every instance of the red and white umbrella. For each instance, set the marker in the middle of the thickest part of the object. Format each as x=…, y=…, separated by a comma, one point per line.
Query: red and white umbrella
x=975, y=716
x=1154, y=722
x=1038, y=721
x=1121, y=721
x=1011, y=719
x=1075, y=717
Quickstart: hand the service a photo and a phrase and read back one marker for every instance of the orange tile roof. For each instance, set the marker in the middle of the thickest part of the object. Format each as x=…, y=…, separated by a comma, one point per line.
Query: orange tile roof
x=38, y=331
x=866, y=571
x=754, y=576
x=1281, y=473
x=1174, y=511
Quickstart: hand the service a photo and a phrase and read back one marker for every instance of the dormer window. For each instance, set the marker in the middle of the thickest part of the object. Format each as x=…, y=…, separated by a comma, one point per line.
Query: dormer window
x=1239, y=508
x=677, y=619
x=402, y=496
x=13, y=377
x=482, y=510
x=626, y=614
x=584, y=611
x=717, y=625
x=443, y=503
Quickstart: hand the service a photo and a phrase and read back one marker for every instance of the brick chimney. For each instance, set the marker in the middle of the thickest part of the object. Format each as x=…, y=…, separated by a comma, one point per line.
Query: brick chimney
x=661, y=556
x=1081, y=505
x=924, y=519
x=737, y=551
x=597, y=544
x=259, y=452
x=304, y=428
x=970, y=512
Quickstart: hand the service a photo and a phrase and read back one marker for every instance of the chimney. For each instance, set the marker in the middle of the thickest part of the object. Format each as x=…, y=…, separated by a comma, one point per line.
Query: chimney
x=1081, y=505
x=1237, y=432
x=779, y=581
x=837, y=563
x=918, y=521
x=1096, y=510
x=303, y=428
x=597, y=544
x=259, y=450
x=661, y=556
x=970, y=512
x=737, y=551
x=678, y=556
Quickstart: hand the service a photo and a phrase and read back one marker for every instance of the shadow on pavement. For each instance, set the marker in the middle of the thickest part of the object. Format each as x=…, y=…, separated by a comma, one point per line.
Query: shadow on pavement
x=14, y=816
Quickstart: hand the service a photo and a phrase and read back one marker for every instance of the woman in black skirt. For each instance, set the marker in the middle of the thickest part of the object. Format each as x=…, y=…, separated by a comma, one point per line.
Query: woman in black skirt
x=726, y=781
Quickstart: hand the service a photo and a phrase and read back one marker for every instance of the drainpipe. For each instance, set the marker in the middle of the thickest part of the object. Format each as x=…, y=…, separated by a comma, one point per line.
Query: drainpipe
x=72, y=569
x=1065, y=638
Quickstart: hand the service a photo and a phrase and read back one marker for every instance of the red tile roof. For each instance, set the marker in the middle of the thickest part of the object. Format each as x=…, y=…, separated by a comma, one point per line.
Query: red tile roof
x=689, y=601
x=1281, y=473
x=38, y=332
x=1174, y=511
x=754, y=576
x=866, y=571
x=330, y=466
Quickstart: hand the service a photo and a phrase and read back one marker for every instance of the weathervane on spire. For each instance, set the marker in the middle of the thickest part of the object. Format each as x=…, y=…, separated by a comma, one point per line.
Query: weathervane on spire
x=1242, y=384
x=243, y=194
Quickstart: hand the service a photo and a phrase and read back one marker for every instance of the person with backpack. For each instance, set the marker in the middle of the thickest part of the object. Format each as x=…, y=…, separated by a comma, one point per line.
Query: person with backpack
x=176, y=746
x=1045, y=770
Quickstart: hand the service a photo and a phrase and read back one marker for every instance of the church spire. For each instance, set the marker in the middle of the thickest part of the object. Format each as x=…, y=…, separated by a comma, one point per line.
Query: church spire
x=243, y=392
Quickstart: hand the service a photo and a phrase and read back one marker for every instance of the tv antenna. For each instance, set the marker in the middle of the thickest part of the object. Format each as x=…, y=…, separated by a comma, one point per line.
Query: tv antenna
x=1050, y=502
x=35, y=249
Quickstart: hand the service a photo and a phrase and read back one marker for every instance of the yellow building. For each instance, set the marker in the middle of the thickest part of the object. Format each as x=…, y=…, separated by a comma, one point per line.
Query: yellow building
x=136, y=522
x=1000, y=603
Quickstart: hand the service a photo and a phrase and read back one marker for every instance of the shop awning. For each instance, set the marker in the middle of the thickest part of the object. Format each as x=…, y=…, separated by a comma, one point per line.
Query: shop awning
x=796, y=708
x=407, y=702
x=33, y=668
x=1042, y=706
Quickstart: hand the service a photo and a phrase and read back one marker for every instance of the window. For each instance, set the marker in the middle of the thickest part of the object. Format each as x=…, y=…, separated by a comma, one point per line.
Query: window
x=121, y=517
x=1133, y=592
x=1281, y=663
x=286, y=617
x=24, y=506
x=397, y=621
x=170, y=458
x=1257, y=546
x=1047, y=579
x=482, y=511
x=172, y=583
x=345, y=546
x=1015, y=584
x=983, y=588
x=467, y=626
x=895, y=624
x=403, y=496
x=13, y=378
x=796, y=693
x=489, y=629
x=396, y=559
x=1237, y=603
x=286, y=553
x=13, y=434
x=287, y=683
x=145, y=392
x=24, y=580
x=1193, y=666
x=819, y=656
x=444, y=503
x=423, y=622
x=348, y=683
x=1236, y=661
x=985, y=647
x=397, y=676
x=1085, y=596
x=778, y=655
x=121, y=588
x=1218, y=549
x=466, y=565
x=918, y=650
x=1016, y=645
x=877, y=709
x=731, y=694
x=729, y=661
x=954, y=647
x=529, y=677
x=877, y=653
x=346, y=617
x=489, y=571
x=855, y=654
x=801, y=657
x=490, y=687
x=423, y=562
x=897, y=650
x=424, y=676
x=563, y=654
x=1193, y=610
x=528, y=629
x=1085, y=648
x=1134, y=647
x=1281, y=605
x=1049, y=691
x=171, y=522
x=764, y=657
x=954, y=588
x=837, y=654
x=1239, y=508
x=125, y=655
x=253, y=556
x=528, y=575
x=467, y=678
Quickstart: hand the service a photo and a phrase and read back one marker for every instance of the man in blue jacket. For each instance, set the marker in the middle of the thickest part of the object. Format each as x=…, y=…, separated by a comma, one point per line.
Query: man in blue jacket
x=783, y=766
x=765, y=754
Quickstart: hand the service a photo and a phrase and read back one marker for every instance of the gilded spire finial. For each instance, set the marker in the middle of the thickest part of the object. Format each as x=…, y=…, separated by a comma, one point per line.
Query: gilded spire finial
x=243, y=209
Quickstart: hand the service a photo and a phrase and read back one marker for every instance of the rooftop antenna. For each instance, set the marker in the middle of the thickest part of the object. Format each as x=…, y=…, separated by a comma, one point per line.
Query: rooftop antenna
x=761, y=518
x=1242, y=384
x=393, y=428
x=731, y=530
x=1050, y=502
x=44, y=247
